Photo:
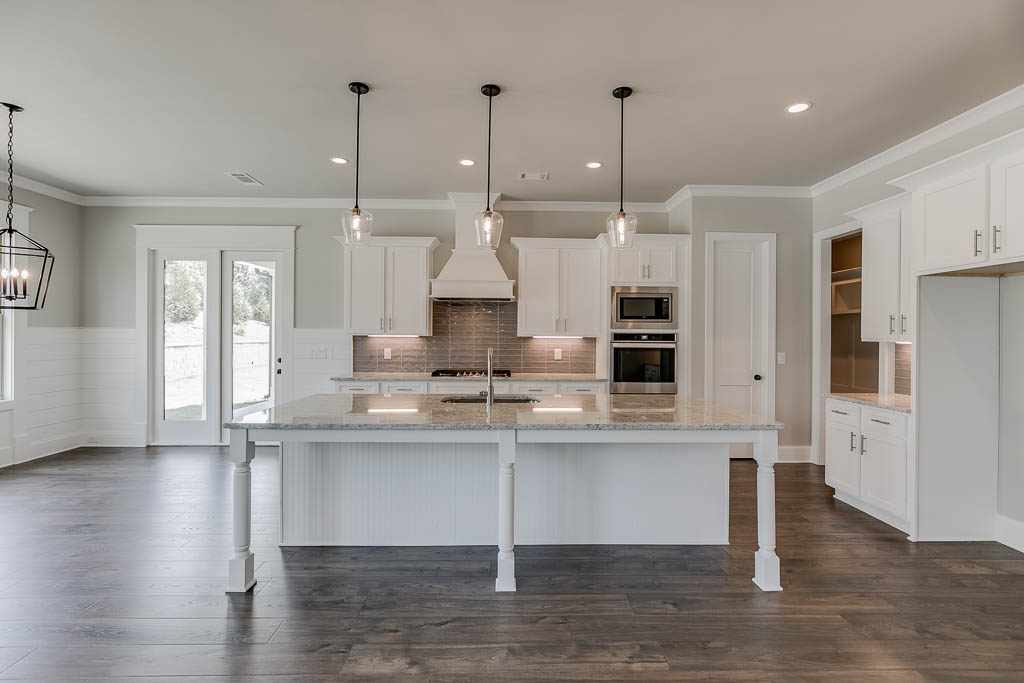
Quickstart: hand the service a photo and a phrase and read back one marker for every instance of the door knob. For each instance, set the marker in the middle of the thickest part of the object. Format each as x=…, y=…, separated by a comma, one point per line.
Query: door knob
x=757, y=377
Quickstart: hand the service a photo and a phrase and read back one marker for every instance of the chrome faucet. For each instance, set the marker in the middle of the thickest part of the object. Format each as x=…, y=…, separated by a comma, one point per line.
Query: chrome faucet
x=490, y=377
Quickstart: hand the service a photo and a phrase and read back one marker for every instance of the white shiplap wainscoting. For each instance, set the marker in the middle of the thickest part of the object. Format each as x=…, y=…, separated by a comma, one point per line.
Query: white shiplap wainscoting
x=53, y=364
x=320, y=353
x=107, y=392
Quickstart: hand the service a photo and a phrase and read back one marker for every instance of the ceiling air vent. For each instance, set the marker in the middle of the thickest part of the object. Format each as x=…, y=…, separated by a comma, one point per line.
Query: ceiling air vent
x=244, y=178
x=534, y=175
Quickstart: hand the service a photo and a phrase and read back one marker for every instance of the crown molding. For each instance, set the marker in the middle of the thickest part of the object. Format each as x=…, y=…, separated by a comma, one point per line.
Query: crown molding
x=586, y=207
x=48, y=190
x=984, y=112
x=268, y=203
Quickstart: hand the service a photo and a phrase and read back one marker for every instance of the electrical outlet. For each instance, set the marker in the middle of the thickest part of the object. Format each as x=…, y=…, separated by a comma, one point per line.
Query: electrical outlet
x=387, y=353
x=780, y=358
x=558, y=354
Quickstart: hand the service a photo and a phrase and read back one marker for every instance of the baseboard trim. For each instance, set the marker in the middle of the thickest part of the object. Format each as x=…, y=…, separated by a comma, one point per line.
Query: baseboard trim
x=52, y=446
x=795, y=454
x=1010, y=532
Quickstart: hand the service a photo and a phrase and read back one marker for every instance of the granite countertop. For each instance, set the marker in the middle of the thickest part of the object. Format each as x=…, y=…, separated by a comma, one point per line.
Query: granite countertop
x=425, y=376
x=898, y=402
x=619, y=411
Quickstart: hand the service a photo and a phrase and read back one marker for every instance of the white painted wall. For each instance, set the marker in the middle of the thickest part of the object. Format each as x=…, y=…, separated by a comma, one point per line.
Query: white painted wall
x=1011, y=398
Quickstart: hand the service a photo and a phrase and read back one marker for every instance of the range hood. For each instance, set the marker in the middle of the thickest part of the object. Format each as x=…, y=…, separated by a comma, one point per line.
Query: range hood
x=472, y=272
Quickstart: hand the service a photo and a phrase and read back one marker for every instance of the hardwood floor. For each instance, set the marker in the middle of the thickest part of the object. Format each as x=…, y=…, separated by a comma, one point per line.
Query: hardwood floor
x=112, y=565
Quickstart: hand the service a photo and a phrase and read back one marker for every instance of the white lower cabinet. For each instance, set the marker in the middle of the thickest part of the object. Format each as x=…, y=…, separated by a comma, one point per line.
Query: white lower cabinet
x=357, y=387
x=463, y=387
x=866, y=459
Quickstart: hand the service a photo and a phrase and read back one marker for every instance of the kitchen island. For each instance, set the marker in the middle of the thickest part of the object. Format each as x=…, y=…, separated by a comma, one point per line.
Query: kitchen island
x=406, y=470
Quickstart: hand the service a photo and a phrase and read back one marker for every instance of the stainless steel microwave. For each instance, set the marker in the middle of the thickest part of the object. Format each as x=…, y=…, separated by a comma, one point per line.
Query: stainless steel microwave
x=644, y=308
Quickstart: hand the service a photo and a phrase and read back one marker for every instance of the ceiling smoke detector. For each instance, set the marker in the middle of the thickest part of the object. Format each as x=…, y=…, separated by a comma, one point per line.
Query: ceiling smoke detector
x=244, y=178
x=534, y=175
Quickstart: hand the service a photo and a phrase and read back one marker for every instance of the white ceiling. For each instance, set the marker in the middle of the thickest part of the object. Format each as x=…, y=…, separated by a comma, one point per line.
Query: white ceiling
x=163, y=98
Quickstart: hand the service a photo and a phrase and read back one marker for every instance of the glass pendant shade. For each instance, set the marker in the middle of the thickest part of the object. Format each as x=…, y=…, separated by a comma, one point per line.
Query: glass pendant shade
x=357, y=224
x=621, y=229
x=488, y=229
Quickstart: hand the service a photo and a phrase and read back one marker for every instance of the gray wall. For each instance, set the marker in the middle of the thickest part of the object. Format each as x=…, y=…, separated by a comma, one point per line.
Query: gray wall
x=1010, y=501
x=790, y=220
x=56, y=225
x=109, y=248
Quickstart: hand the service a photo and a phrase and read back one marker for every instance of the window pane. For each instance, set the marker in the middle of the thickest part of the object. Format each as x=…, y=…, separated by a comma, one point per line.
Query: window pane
x=252, y=294
x=184, y=340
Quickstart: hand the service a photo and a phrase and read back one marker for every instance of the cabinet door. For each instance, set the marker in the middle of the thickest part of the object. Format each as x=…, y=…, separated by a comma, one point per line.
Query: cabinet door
x=365, y=293
x=950, y=219
x=880, y=288
x=1007, y=208
x=842, y=457
x=538, y=292
x=407, y=294
x=908, y=281
x=626, y=266
x=581, y=292
x=660, y=262
x=884, y=475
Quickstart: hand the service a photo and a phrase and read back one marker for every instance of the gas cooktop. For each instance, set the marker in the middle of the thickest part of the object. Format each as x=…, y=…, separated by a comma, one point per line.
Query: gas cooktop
x=468, y=372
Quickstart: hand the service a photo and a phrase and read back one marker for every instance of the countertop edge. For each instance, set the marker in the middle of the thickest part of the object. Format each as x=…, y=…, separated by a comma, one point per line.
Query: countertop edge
x=517, y=427
x=870, y=403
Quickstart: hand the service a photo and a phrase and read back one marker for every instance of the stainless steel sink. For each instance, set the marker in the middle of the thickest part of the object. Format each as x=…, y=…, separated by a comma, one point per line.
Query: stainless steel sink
x=483, y=399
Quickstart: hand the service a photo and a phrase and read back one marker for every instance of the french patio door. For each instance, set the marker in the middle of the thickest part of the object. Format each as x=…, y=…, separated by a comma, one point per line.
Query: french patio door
x=217, y=341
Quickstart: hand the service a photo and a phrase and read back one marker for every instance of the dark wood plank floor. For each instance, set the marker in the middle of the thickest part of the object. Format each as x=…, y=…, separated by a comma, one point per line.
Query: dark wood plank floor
x=112, y=567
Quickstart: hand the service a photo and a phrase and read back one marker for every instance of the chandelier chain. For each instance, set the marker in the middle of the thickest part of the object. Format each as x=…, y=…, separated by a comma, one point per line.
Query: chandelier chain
x=10, y=168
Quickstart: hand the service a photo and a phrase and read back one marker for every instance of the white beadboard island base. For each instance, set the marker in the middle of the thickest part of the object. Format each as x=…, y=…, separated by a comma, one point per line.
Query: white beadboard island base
x=412, y=470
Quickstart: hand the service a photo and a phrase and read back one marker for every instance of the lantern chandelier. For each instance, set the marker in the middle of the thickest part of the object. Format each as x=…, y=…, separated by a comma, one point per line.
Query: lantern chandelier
x=621, y=225
x=357, y=222
x=488, y=223
x=25, y=265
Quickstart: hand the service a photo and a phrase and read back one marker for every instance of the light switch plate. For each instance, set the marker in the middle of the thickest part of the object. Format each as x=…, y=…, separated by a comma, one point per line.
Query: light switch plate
x=780, y=357
x=387, y=353
x=558, y=354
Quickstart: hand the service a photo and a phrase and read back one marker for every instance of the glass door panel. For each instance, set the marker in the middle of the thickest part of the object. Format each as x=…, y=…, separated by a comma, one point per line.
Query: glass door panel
x=252, y=341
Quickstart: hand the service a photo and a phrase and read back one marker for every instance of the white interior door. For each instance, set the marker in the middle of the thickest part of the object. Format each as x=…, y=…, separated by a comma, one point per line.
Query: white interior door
x=186, y=390
x=251, y=339
x=740, y=324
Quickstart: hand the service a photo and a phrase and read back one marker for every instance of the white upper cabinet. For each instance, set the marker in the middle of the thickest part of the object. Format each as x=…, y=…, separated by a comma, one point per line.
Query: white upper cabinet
x=654, y=259
x=887, y=287
x=560, y=287
x=387, y=286
x=1006, y=207
x=968, y=210
x=952, y=219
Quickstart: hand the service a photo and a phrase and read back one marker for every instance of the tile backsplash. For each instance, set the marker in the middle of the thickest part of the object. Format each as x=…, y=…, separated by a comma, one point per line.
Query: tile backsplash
x=463, y=331
x=902, y=383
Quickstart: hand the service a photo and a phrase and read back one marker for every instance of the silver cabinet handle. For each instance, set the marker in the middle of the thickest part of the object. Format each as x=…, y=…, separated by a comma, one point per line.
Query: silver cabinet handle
x=862, y=451
x=582, y=390
x=390, y=326
x=881, y=422
x=892, y=324
x=382, y=323
x=977, y=236
x=903, y=324
x=839, y=412
x=852, y=437
x=995, y=239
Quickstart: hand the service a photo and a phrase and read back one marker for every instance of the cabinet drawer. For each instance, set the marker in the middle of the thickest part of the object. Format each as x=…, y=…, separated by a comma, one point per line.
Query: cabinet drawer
x=458, y=388
x=883, y=424
x=358, y=387
x=841, y=411
x=405, y=388
x=568, y=388
x=547, y=388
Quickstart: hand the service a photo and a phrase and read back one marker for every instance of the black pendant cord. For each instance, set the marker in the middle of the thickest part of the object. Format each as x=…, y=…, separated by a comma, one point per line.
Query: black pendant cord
x=490, y=99
x=359, y=99
x=10, y=169
x=622, y=148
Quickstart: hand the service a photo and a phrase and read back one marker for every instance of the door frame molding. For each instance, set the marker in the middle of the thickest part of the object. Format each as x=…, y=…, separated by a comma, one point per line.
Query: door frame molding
x=768, y=329
x=821, y=330
x=150, y=238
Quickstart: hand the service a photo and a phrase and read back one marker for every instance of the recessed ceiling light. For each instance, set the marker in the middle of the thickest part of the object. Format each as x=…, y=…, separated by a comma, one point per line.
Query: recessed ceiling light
x=466, y=162
x=798, y=107
x=339, y=160
x=594, y=164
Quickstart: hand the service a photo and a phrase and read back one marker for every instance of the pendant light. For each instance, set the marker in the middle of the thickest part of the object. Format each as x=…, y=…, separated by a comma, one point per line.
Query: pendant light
x=25, y=265
x=488, y=223
x=621, y=225
x=357, y=222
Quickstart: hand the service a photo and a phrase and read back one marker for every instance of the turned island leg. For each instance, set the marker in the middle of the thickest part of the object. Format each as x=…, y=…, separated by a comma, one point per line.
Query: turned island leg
x=241, y=577
x=506, y=580
x=767, y=573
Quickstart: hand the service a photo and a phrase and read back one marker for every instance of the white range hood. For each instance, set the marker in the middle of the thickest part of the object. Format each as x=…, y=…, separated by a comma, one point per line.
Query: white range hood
x=472, y=272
